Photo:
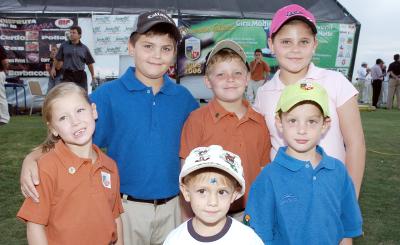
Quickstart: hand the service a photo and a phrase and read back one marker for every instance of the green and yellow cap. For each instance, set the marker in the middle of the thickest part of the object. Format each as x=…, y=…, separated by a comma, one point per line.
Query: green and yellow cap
x=304, y=90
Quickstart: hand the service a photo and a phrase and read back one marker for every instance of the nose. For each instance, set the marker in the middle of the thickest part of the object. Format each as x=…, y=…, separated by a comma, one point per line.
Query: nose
x=74, y=119
x=157, y=53
x=212, y=199
x=302, y=128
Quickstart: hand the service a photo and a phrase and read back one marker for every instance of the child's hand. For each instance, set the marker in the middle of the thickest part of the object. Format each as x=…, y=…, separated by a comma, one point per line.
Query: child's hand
x=29, y=178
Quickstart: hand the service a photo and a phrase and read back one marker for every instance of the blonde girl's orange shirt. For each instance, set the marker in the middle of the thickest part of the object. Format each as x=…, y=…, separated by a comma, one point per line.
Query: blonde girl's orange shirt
x=79, y=201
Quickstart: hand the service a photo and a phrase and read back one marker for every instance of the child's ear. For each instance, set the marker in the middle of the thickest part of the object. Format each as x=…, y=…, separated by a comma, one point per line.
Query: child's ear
x=271, y=45
x=326, y=124
x=235, y=194
x=278, y=123
x=52, y=130
x=94, y=111
x=185, y=192
x=131, y=49
x=207, y=82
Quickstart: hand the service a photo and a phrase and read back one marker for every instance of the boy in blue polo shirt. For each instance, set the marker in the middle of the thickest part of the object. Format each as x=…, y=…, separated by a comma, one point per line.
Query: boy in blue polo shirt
x=304, y=196
x=140, y=118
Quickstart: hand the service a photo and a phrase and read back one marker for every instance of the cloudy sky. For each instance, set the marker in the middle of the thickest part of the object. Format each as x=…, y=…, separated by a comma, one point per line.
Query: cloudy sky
x=378, y=38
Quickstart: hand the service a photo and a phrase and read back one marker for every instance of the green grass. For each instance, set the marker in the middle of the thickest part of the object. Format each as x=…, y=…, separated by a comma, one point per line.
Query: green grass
x=379, y=199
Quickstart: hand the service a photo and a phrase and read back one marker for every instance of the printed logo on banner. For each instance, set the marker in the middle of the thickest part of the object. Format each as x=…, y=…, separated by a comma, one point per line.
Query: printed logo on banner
x=192, y=48
x=64, y=23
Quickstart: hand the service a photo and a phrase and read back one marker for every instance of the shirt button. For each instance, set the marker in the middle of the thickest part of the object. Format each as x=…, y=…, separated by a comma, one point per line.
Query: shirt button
x=307, y=165
x=71, y=170
x=314, y=178
x=148, y=91
x=154, y=103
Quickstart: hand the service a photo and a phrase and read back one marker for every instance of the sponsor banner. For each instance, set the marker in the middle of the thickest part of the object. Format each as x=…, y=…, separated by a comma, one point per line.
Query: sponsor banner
x=28, y=42
x=111, y=33
x=336, y=42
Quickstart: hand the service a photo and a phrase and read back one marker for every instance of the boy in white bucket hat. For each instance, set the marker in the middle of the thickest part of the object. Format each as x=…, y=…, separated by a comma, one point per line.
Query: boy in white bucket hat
x=211, y=179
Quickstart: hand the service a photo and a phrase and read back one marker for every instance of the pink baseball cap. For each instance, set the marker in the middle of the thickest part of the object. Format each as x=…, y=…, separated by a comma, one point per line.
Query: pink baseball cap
x=289, y=12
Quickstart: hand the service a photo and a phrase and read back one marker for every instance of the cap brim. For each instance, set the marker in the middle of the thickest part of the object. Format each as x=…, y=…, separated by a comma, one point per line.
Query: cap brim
x=298, y=17
x=229, y=45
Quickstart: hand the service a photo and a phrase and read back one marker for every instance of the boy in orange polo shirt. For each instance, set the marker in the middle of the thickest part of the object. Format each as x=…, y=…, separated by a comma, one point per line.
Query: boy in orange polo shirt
x=79, y=185
x=228, y=120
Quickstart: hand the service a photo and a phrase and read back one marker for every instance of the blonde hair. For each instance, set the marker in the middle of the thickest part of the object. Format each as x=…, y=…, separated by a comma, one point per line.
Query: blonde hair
x=221, y=56
x=55, y=93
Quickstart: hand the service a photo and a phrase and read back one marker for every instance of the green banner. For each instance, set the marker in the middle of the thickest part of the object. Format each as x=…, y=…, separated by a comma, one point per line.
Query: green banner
x=334, y=50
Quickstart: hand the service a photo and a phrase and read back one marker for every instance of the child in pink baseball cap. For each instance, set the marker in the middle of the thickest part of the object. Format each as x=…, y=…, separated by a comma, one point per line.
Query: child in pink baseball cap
x=293, y=40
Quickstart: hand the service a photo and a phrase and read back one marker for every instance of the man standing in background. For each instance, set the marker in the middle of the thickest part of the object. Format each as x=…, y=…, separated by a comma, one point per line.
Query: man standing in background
x=394, y=82
x=72, y=57
x=4, y=115
x=377, y=78
x=259, y=74
x=363, y=86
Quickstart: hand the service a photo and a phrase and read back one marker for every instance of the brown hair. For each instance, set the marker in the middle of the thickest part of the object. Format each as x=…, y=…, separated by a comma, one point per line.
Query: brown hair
x=55, y=93
x=158, y=30
x=225, y=54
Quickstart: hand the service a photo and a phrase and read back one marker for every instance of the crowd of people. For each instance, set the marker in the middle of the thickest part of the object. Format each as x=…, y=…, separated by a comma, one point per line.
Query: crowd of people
x=286, y=169
x=384, y=81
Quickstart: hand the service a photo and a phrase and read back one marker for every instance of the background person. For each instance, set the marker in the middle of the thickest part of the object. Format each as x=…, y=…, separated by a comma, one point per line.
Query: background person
x=4, y=114
x=394, y=82
x=377, y=79
x=53, y=81
x=259, y=70
x=363, y=86
x=72, y=57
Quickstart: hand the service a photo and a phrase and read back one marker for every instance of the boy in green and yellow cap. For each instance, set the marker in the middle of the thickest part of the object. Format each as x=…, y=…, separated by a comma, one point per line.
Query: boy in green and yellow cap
x=304, y=196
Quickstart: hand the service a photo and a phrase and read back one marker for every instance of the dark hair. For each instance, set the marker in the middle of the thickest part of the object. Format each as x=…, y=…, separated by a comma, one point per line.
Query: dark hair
x=224, y=54
x=396, y=57
x=257, y=51
x=158, y=29
x=379, y=61
x=77, y=28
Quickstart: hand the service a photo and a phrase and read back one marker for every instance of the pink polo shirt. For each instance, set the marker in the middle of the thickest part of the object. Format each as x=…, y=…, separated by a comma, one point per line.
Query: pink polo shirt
x=339, y=91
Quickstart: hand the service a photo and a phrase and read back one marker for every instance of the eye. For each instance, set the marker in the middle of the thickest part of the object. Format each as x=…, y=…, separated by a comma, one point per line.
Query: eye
x=167, y=49
x=220, y=75
x=147, y=46
x=285, y=42
x=80, y=110
x=292, y=121
x=201, y=191
x=238, y=73
x=223, y=192
x=62, y=118
x=305, y=42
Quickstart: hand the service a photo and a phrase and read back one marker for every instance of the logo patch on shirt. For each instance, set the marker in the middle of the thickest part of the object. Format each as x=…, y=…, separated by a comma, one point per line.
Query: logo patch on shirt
x=288, y=198
x=106, y=179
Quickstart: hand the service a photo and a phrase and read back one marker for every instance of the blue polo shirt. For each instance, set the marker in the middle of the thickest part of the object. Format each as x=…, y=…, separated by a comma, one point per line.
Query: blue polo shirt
x=142, y=131
x=292, y=203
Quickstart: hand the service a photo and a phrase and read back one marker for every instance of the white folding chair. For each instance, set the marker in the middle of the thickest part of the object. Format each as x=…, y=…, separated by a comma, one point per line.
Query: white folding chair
x=37, y=93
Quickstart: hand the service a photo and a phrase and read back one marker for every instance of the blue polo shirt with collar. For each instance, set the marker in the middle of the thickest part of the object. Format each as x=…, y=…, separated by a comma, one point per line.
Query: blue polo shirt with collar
x=292, y=203
x=141, y=132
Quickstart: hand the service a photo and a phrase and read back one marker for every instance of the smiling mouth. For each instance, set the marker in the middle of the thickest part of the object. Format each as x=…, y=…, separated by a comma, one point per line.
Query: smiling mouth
x=79, y=132
x=301, y=141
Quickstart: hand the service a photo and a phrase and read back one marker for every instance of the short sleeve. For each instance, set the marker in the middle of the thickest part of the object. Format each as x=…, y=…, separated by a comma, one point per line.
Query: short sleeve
x=100, y=98
x=267, y=145
x=39, y=212
x=117, y=209
x=60, y=53
x=260, y=208
x=351, y=214
x=344, y=89
x=89, y=58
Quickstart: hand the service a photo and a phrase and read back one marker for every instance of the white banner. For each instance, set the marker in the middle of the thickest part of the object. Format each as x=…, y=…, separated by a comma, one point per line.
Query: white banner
x=111, y=33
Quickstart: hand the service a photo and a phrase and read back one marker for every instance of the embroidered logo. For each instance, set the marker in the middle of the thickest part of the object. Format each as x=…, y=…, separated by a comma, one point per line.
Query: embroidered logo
x=202, y=155
x=288, y=198
x=246, y=220
x=306, y=86
x=106, y=179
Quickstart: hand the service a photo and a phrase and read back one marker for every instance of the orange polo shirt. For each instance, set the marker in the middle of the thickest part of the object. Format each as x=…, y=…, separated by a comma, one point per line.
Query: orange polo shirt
x=259, y=71
x=247, y=137
x=79, y=201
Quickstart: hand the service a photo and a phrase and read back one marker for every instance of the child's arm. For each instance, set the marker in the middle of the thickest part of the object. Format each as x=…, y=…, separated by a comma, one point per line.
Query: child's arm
x=346, y=241
x=353, y=136
x=30, y=175
x=36, y=234
x=120, y=233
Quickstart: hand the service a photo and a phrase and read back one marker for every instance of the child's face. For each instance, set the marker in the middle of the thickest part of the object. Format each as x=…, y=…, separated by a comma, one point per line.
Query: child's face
x=210, y=195
x=294, y=45
x=302, y=128
x=153, y=55
x=73, y=119
x=228, y=80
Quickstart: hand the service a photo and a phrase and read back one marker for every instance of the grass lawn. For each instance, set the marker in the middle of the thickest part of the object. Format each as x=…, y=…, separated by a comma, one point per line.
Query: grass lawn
x=379, y=200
